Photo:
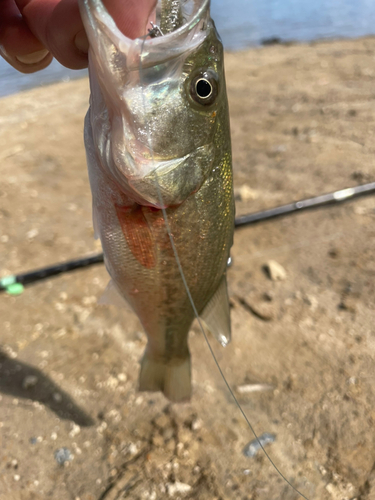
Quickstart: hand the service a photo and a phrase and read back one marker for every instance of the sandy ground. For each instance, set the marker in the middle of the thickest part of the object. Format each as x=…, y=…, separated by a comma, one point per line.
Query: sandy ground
x=303, y=122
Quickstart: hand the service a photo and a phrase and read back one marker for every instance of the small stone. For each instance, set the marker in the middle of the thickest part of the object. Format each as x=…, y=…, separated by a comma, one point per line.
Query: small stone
x=177, y=487
x=312, y=301
x=29, y=381
x=32, y=233
x=168, y=434
x=362, y=210
x=113, y=472
x=112, y=382
x=196, y=424
x=162, y=421
x=268, y=296
x=245, y=193
x=63, y=455
x=57, y=397
x=75, y=430
x=348, y=303
x=333, y=490
x=249, y=388
x=157, y=440
x=102, y=427
x=17, y=477
x=132, y=449
x=275, y=271
x=264, y=311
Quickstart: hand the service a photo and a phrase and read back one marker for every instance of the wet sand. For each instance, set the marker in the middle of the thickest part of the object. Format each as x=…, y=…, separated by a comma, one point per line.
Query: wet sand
x=303, y=121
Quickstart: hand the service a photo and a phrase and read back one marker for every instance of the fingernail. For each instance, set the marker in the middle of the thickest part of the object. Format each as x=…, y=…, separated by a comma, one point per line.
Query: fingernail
x=81, y=42
x=33, y=58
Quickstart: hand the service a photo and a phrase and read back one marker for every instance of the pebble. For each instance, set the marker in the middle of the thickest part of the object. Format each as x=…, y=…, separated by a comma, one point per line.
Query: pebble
x=162, y=421
x=57, y=397
x=348, y=303
x=252, y=448
x=32, y=233
x=62, y=455
x=29, y=381
x=75, y=430
x=196, y=424
x=245, y=193
x=275, y=271
x=177, y=487
x=157, y=440
x=249, y=388
x=264, y=311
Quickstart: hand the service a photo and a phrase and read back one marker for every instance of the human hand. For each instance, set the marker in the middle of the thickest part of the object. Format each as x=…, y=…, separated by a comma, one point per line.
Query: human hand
x=32, y=32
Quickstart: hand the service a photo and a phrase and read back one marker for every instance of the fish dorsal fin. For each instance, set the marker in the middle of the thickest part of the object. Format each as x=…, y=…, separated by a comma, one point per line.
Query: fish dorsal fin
x=216, y=314
x=111, y=296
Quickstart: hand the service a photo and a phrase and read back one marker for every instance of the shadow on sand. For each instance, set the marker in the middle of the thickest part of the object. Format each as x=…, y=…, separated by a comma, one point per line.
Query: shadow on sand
x=24, y=381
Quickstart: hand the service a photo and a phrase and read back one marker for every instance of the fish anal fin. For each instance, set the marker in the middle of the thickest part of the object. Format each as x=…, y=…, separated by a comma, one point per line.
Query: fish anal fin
x=138, y=234
x=172, y=377
x=216, y=314
x=111, y=296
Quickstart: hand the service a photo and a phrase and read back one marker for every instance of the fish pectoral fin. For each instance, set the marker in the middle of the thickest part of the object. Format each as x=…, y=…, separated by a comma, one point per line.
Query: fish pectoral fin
x=172, y=377
x=111, y=296
x=216, y=314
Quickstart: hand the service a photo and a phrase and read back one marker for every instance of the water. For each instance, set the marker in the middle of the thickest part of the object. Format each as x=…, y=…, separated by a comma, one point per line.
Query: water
x=249, y=22
x=244, y=23
x=11, y=81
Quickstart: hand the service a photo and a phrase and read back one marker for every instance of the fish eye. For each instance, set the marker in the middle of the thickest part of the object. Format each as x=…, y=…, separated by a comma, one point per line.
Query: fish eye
x=204, y=88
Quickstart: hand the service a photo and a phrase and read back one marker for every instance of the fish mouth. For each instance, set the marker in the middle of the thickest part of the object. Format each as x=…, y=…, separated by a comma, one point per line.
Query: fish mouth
x=111, y=46
x=168, y=182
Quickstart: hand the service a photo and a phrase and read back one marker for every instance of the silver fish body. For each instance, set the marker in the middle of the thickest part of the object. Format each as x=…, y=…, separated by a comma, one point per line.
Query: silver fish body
x=157, y=136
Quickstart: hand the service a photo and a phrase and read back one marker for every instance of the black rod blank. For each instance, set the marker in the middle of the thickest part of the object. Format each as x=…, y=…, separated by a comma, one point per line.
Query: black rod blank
x=298, y=206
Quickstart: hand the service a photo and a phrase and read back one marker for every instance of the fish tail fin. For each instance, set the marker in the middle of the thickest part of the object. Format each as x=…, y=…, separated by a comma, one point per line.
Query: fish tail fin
x=173, y=377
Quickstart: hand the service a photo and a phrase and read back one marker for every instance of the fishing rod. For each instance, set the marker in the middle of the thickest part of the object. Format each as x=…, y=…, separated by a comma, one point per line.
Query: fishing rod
x=308, y=203
x=14, y=284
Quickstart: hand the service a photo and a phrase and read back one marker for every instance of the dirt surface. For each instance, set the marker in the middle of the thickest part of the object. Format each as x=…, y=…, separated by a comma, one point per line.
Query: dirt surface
x=303, y=122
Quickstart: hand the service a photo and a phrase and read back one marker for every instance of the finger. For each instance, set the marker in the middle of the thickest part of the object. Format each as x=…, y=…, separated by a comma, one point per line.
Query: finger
x=18, y=45
x=57, y=24
x=132, y=17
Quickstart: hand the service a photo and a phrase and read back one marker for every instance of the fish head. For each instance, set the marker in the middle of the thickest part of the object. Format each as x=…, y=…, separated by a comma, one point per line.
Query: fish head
x=156, y=104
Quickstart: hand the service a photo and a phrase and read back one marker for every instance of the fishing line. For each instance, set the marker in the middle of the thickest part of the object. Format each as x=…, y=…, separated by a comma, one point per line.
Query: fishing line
x=186, y=286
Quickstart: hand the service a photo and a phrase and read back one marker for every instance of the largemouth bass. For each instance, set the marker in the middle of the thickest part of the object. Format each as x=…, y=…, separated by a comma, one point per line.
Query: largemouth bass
x=159, y=156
